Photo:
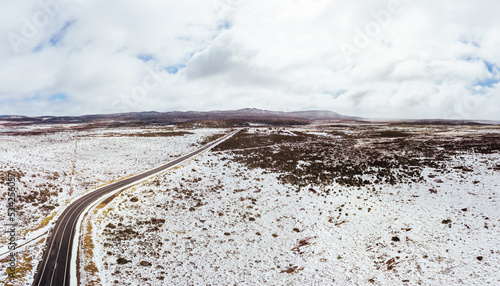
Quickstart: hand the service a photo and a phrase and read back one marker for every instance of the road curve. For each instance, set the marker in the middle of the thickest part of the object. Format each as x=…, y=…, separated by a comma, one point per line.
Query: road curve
x=54, y=268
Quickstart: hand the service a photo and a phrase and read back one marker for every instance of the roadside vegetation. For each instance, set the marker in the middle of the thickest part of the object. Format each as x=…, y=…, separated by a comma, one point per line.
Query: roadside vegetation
x=55, y=163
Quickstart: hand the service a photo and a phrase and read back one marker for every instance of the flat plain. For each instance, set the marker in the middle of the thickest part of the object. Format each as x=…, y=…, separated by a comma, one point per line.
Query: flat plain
x=319, y=204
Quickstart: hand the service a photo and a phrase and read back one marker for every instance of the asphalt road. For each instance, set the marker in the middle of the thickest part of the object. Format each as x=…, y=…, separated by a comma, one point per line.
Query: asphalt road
x=54, y=269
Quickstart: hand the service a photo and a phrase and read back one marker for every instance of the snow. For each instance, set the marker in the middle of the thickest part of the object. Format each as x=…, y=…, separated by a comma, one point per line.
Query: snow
x=347, y=236
x=213, y=221
x=69, y=164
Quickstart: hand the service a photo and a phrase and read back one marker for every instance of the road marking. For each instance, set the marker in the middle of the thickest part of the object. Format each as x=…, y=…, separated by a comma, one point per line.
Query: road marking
x=50, y=249
x=94, y=197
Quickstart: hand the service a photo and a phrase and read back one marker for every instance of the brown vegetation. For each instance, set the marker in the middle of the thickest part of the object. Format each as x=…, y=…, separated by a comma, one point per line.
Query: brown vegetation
x=356, y=155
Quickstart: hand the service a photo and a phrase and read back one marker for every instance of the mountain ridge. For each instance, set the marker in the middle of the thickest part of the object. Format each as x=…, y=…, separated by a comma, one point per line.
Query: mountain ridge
x=175, y=117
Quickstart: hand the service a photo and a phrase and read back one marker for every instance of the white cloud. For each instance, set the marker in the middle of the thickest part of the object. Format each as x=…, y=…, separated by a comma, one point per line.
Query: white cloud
x=419, y=59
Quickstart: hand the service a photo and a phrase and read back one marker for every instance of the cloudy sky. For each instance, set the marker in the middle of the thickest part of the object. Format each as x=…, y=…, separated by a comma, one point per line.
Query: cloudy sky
x=376, y=59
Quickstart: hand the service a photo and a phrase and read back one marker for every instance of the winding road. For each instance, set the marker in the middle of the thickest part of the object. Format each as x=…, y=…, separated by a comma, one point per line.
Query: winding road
x=54, y=269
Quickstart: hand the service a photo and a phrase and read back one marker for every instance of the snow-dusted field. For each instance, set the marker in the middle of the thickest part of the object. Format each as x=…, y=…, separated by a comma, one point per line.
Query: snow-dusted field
x=240, y=216
x=54, y=168
x=313, y=205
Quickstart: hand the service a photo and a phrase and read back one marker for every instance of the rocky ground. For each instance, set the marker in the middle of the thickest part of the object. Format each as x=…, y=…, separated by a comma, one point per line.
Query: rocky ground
x=343, y=204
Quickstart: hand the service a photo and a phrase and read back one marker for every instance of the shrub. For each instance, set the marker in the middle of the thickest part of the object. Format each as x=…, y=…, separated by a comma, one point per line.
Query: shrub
x=145, y=263
x=122, y=261
x=110, y=225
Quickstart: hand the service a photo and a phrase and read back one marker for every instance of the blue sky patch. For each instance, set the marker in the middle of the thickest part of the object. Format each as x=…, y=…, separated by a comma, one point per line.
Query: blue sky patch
x=470, y=42
x=57, y=37
x=336, y=94
x=174, y=69
x=145, y=57
x=37, y=49
x=492, y=68
x=58, y=97
x=490, y=82
x=224, y=26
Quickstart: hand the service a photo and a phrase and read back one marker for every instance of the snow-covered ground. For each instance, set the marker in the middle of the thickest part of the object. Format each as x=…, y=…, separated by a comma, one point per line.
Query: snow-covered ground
x=313, y=205
x=215, y=221
x=54, y=168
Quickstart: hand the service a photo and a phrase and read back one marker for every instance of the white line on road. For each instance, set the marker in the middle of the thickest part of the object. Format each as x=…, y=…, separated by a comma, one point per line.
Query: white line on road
x=73, y=276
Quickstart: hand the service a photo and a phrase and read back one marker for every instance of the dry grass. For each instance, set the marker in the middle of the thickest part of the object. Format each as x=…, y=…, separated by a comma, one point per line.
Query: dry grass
x=46, y=220
x=44, y=223
x=24, y=269
x=89, y=266
x=88, y=255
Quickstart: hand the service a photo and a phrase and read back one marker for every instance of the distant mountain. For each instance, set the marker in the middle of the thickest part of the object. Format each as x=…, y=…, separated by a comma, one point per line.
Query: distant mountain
x=320, y=115
x=10, y=116
x=218, y=118
x=176, y=117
